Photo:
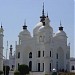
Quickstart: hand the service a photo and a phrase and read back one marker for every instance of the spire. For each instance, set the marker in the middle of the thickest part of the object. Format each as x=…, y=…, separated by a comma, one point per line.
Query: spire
x=1, y=24
x=60, y=28
x=47, y=14
x=43, y=9
x=43, y=16
x=60, y=23
x=24, y=27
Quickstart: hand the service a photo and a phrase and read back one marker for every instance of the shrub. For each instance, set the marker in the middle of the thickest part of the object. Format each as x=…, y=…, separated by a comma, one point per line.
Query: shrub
x=1, y=72
x=6, y=70
x=16, y=73
x=23, y=69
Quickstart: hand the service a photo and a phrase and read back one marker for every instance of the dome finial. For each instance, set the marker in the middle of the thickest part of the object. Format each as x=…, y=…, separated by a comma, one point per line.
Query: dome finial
x=61, y=28
x=43, y=16
x=24, y=27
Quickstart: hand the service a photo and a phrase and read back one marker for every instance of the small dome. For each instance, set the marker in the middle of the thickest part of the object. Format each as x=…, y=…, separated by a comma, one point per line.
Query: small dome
x=35, y=30
x=25, y=32
x=60, y=33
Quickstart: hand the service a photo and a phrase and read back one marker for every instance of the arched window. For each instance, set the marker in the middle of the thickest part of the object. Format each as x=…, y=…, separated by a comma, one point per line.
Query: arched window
x=43, y=66
x=18, y=54
x=72, y=68
x=41, y=39
x=50, y=54
x=43, y=53
x=39, y=53
x=30, y=65
x=30, y=55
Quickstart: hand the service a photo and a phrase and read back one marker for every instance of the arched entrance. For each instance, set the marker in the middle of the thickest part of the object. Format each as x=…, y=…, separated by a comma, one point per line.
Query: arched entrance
x=30, y=65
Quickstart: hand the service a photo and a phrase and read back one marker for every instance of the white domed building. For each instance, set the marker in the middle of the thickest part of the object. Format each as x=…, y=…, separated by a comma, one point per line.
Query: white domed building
x=45, y=50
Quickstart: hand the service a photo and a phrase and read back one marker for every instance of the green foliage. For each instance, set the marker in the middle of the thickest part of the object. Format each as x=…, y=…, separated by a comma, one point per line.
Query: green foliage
x=68, y=73
x=1, y=72
x=16, y=73
x=23, y=69
x=6, y=70
x=54, y=73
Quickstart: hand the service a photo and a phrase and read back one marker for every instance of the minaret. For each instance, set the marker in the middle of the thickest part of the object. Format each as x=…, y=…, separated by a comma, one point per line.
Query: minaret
x=11, y=50
x=1, y=48
x=10, y=57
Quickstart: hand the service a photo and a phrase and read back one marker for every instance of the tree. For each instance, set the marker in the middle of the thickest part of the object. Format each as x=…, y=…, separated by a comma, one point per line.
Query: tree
x=6, y=70
x=23, y=69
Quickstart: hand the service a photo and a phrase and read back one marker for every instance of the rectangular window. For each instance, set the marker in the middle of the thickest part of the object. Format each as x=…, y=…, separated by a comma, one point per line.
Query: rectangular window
x=43, y=66
x=43, y=53
x=39, y=53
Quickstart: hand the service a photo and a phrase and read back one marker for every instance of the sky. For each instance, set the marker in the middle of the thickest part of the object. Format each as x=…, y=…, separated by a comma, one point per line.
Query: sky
x=14, y=12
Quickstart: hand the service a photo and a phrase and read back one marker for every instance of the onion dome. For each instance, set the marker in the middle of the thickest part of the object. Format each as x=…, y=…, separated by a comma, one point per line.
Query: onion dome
x=35, y=30
x=46, y=28
x=25, y=31
x=61, y=32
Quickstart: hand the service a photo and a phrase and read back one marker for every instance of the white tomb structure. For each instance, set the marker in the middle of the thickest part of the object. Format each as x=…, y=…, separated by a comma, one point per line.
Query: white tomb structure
x=44, y=50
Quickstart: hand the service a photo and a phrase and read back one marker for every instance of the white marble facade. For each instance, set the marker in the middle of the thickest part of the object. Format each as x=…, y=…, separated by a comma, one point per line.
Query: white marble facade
x=44, y=50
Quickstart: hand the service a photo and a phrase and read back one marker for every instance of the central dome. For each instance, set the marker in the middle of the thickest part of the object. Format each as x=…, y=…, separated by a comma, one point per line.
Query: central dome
x=35, y=30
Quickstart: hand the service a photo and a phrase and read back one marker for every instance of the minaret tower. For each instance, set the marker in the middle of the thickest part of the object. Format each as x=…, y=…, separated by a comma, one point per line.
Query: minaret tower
x=1, y=48
x=10, y=51
x=11, y=58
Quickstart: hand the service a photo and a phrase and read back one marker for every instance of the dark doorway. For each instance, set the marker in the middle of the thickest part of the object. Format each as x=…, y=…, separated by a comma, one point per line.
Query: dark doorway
x=38, y=66
x=30, y=65
x=50, y=66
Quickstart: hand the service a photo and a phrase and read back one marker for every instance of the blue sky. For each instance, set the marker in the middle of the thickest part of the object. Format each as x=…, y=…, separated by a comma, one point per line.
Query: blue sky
x=14, y=12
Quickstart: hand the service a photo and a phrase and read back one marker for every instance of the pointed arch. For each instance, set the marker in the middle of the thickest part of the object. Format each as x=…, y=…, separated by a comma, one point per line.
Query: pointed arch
x=30, y=55
x=30, y=65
